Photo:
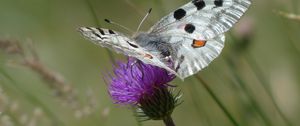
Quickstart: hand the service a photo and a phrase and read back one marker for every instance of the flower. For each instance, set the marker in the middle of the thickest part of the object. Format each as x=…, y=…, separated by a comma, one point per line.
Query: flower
x=143, y=86
x=135, y=79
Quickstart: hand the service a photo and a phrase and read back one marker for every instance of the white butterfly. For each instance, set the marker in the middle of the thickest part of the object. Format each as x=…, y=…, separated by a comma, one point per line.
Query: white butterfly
x=183, y=42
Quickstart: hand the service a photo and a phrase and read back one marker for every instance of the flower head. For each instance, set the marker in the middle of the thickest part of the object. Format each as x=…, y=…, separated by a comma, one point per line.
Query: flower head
x=134, y=79
x=144, y=86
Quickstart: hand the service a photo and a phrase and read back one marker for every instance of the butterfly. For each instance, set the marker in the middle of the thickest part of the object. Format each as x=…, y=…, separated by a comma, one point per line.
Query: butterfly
x=183, y=42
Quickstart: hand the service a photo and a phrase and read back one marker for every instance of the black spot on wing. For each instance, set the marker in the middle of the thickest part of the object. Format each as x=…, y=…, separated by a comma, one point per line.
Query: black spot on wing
x=132, y=45
x=101, y=31
x=218, y=3
x=111, y=32
x=89, y=28
x=96, y=34
x=200, y=4
x=189, y=28
x=178, y=14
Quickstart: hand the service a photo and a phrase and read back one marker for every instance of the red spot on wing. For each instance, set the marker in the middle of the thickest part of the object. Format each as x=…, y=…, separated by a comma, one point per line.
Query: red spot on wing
x=198, y=43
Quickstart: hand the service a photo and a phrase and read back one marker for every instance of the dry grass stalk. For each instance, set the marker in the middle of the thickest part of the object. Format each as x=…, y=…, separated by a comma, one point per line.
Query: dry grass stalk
x=10, y=46
x=289, y=15
x=64, y=90
x=11, y=109
x=54, y=79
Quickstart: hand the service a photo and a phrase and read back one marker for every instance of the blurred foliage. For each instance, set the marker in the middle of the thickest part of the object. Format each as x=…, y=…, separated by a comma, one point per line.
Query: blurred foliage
x=50, y=75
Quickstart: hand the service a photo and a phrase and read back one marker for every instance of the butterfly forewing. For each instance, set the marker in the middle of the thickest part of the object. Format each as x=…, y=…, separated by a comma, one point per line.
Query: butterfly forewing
x=209, y=18
x=122, y=44
x=110, y=39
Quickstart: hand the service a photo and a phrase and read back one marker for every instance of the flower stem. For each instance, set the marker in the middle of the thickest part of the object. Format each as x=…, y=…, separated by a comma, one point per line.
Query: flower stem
x=247, y=92
x=169, y=121
x=93, y=12
x=265, y=84
x=220, y=104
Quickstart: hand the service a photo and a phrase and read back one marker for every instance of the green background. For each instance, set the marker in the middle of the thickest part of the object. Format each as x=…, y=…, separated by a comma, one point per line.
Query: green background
x=269, y=59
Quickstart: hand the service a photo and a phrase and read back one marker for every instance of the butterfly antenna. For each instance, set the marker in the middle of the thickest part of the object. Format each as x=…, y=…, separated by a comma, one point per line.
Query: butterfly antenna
x=114, y=23
x=145, y=17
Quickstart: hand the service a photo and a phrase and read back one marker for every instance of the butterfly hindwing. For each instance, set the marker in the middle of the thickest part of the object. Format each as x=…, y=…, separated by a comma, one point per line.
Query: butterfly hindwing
x=188, y=56
x=209, y=18
x=194, y=55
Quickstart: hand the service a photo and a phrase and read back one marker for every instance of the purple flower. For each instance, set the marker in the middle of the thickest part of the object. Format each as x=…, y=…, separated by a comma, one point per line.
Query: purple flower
x=134, y=80
x=146, y=88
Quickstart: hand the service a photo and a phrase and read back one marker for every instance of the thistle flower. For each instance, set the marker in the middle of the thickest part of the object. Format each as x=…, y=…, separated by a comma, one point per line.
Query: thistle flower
x=146, y=87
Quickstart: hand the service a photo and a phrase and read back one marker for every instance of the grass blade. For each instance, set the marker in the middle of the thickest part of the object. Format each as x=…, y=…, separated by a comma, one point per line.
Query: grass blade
x=215, y=98
x=33, y=100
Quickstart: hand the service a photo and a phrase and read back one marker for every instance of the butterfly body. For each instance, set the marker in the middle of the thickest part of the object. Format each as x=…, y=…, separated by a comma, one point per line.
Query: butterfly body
x=154, y=43
x=183, y=42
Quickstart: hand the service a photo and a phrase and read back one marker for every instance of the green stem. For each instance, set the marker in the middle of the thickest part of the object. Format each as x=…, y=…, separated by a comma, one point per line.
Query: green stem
x=249, y=94
x=215, y=98
x=93, y=12
x=169, y=121
x=259, y=74
x=194, y=94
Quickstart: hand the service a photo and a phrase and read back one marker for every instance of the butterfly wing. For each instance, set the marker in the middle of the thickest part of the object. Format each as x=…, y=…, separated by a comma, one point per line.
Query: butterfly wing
x=187, y=55
x=196, y=32
x=207, y=18
x=194, y=55
x=121, y=44
x=110, y=39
